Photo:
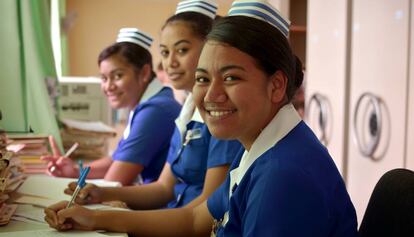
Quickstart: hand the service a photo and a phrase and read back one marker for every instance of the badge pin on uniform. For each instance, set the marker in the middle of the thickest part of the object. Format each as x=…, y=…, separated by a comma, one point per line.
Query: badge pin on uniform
x=192, y=135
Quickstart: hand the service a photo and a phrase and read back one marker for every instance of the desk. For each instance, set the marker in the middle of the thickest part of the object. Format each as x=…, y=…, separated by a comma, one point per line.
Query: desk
x=20, y=228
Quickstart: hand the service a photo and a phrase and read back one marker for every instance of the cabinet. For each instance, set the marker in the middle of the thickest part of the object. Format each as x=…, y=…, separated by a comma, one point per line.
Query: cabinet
x=410, y=123
x=379, y=65
x=326, y=83
x=363, y=49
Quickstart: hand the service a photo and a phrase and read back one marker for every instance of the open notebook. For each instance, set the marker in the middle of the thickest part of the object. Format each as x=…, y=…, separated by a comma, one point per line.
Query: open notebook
x=44, y=190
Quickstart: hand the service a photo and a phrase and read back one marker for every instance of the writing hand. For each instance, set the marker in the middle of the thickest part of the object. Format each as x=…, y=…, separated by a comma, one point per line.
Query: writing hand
x=75, y=217
x=90, y=194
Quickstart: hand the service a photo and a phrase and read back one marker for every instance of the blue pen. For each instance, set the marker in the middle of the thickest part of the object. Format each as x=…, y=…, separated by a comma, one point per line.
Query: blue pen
x=80, y=185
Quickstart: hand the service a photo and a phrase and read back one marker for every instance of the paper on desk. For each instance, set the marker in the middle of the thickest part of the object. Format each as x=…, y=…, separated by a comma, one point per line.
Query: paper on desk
x=45, y=186
x=50, y=232
x=30, y=212
x=37, y=201
x=103, y=207
x=53, y=187
x=104, y=183
x=27, y=220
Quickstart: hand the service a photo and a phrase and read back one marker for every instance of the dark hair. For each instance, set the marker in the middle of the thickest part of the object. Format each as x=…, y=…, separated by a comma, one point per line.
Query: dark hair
x=134, y=54
x=263, y=42
x=199, y=23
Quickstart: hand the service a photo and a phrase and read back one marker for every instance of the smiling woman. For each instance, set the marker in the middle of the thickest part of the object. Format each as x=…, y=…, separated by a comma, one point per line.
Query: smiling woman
x=221, y=91
x=285, y=183
x=128, y=82
x=123, y=80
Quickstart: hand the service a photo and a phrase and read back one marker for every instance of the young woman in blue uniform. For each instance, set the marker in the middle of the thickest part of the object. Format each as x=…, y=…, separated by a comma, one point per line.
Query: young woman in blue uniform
x=129, y=82
x=203, y=163
x=197, y=163
x=284, y=183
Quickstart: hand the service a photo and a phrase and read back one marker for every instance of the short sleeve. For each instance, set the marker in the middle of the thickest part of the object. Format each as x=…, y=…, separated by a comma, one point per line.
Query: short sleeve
x=222, y=152
x=217, y=203
x=150, y=132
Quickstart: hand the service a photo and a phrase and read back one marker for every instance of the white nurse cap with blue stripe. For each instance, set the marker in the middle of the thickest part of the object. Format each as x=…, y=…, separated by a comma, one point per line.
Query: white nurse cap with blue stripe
x=205, y=7
x=133, y=35
x=261, y=10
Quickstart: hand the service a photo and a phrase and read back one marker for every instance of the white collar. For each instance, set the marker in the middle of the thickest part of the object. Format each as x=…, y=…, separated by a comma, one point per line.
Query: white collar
x=188, y=113
x=153, y=88
x=197, y=116
x=284, y=121
x=185, y=115
x=128, y=127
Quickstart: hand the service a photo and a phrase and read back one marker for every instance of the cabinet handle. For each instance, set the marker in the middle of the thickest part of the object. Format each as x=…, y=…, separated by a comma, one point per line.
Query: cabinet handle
x=374, y=123
x=322, y=103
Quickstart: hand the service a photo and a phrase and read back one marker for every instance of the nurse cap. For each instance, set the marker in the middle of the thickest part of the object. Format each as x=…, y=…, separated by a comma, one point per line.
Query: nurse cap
x=205, y=7
x=262, y=10
x=133, y=35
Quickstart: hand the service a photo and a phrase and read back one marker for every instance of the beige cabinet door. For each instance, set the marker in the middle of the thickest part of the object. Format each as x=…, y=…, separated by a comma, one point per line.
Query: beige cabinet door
x=410, y=124
x=326, y=83
x=379, y=65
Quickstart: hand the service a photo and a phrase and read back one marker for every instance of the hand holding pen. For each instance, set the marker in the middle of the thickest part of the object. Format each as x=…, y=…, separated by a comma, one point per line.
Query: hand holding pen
x=59, y=165
x=64, y=216
x=81, y=183
x=89, y=194
x=67, y=154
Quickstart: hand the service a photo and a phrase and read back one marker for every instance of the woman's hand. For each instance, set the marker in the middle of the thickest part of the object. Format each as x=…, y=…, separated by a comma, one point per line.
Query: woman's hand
x=59, y=165
x=75, y=217
x=90, y=194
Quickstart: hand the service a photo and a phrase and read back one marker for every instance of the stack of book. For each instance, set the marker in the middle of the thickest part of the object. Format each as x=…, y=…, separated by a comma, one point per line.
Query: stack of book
x=11, y=177
x=3, y=140
x=92, y=136
x=29, y=148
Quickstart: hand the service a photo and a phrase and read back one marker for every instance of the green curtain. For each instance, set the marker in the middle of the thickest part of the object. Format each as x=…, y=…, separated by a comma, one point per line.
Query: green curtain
x=63, y=40
x=12, y=96
x=32, y=53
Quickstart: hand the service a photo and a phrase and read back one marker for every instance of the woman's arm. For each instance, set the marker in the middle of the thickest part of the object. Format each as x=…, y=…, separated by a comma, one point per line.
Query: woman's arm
x=149, y=196
x=123, y=172
x=167, y=222
x=99, y=167
x=172, y=222
x=214, y=178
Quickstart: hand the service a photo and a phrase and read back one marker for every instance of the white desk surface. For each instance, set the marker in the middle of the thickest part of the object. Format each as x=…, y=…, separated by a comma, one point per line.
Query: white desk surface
x=20, y=228
x=15, y=228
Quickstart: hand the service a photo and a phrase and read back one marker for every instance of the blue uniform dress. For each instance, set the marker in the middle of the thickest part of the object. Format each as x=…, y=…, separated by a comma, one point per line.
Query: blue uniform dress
x=147, y=136
x=285, y=185
x=189, y=163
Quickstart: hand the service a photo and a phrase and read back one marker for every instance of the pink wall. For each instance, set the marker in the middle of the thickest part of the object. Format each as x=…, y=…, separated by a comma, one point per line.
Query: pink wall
x=98, y=22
